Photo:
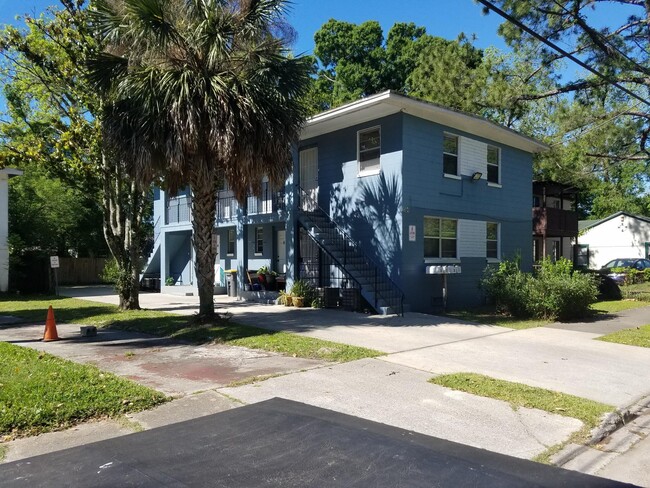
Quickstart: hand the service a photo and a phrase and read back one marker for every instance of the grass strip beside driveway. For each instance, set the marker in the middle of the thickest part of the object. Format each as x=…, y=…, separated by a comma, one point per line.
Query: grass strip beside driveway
x=488, y=316
x=40, y=393
x=180, y=327
x=639, y=336
x=520, y=395
x=613, y=306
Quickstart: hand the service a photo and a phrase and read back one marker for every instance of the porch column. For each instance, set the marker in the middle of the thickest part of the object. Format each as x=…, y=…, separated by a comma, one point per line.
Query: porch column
x=292, y=234
x=241, y=231
x=164, y=259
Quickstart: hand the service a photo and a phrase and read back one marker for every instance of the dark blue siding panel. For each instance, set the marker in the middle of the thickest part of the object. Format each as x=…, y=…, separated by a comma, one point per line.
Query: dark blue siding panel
x=368, y=208
x=427, y=192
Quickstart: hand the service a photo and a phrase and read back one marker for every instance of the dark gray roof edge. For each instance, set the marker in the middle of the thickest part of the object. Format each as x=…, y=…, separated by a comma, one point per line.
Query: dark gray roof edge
x=588, y=224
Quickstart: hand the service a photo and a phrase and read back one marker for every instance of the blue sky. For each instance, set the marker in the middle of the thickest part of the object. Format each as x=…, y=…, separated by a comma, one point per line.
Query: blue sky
x=445, y=18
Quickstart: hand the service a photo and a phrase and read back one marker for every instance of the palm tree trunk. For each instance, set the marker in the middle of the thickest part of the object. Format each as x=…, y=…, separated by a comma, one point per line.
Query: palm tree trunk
x=204, y=209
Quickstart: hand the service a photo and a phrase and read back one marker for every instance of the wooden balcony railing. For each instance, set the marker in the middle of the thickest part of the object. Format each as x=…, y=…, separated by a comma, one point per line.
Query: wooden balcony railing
x=554, y=222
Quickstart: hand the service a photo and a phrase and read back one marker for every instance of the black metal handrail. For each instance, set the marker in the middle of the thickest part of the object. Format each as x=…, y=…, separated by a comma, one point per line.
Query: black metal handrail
x=308, y=205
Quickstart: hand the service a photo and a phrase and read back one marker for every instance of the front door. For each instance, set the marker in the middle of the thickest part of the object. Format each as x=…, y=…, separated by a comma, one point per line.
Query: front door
x=309, y=179
x=281, y=250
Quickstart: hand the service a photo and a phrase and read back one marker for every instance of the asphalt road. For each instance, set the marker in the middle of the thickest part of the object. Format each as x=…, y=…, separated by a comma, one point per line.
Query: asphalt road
x=287, y=444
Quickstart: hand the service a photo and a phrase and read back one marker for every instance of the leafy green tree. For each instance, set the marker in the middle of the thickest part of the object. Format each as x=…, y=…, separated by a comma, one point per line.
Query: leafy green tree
x=201, y=92
x=47, y=215
x=601, y=136
x=355, y=60
x=52, y=125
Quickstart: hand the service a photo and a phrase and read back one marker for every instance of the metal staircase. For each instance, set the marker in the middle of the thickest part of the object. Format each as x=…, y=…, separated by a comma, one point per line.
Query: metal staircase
x=374, y=283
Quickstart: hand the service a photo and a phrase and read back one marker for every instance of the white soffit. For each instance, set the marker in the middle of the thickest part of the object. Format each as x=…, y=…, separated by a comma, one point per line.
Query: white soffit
x=9, y=172
x=388, y=103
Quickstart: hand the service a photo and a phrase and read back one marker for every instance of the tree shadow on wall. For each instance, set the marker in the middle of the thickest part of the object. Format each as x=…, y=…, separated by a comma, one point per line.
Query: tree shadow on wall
x=370, y=215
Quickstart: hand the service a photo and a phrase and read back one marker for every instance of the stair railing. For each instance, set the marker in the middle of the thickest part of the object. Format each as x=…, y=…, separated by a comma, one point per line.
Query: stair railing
x=307, y=205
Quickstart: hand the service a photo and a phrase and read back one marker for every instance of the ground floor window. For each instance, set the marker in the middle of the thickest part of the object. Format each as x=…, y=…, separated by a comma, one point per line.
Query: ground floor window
x=231, y=242
x=259, y=240
x=440, y=237
x=492, y=240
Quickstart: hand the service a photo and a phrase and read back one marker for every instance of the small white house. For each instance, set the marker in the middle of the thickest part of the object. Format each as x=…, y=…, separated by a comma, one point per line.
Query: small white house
x=621, y=235
x=5, y=174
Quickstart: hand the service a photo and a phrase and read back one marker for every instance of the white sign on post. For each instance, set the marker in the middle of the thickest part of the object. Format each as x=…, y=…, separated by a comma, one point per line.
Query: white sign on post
x=412, y=233
x=54, y=261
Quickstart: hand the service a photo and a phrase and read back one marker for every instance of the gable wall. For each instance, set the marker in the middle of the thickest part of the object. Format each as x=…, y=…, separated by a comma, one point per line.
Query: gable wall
x=620, y=237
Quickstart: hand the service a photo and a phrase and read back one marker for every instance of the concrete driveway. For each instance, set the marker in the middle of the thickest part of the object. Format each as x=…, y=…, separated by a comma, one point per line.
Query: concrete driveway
x=393, y=389
x=564, y=357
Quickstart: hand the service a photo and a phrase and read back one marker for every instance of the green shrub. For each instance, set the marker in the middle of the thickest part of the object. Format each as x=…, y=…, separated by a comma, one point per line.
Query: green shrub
x=554, y=292
x=111, y=272
x=302, y=288
x=646, y=274
x=507, y=287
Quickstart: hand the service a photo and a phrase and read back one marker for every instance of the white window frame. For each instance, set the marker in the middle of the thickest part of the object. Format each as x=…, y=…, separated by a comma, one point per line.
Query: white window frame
x=497, y=183
x=455, y=175
x=497, y=240
x=440, y=238
x=233, y=233
x=259, y=241
x=376, y=168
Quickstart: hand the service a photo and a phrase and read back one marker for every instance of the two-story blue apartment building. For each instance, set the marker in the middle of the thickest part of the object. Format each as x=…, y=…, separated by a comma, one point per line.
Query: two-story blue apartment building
x=389, y=195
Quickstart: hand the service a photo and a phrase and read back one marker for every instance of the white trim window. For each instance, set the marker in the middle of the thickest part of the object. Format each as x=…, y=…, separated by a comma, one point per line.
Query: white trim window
x=369, y=151
x=440, y=238
x=450, y=154
x=259, y=241
x=492, y=240
x=231, y=242
x=493, y=165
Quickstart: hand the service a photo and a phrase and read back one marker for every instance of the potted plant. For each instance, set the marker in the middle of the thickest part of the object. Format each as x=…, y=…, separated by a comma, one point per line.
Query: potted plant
x=285, y=299
x=269, y=277
x=302, y=292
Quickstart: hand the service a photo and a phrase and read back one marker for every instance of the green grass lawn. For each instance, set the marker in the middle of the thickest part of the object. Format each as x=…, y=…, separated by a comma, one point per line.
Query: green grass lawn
x=520, y=395
x=40, y=393
x=639, y=336
x=488, y=316
x=613, y=306
x=181, y=327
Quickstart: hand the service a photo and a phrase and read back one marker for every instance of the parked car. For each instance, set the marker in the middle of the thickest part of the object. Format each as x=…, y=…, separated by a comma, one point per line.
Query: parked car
x=629, y=263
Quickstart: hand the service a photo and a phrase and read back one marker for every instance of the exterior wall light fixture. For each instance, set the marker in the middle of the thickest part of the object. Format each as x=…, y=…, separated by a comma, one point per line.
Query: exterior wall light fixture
x=477, y=176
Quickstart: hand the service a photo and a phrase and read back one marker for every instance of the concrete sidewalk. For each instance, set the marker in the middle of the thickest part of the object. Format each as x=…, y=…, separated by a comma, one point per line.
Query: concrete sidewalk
x=393, y=389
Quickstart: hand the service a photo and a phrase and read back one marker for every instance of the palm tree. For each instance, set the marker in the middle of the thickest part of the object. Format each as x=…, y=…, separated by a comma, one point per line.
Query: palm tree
x=202, y=91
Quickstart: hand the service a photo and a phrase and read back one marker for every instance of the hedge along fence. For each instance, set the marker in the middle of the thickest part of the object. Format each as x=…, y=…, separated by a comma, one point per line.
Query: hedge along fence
x=81, y=271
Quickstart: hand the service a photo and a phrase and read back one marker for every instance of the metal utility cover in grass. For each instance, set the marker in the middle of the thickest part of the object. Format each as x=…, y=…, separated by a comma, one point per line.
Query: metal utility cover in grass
x=285, y=444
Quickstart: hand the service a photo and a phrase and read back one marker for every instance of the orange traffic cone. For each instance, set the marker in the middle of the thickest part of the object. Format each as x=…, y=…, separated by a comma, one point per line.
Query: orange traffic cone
x=50, y=327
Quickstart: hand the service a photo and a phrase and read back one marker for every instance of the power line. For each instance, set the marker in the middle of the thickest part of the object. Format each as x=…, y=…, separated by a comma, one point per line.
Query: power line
x=557, y=48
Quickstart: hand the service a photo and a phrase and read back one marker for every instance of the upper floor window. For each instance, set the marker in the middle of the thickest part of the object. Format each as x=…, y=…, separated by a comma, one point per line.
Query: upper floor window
x=369, y=150
x=440, y=237
x=231, y=242
x=450, y=155
x=259, y=240
x=493, y=164
x=492, y=240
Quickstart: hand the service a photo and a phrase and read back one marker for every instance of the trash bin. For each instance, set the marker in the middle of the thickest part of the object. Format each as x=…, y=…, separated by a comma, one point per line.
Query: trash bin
x=232, y=282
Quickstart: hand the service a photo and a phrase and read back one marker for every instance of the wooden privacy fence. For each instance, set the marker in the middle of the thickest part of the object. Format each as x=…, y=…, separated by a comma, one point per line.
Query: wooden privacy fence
x=81, y=271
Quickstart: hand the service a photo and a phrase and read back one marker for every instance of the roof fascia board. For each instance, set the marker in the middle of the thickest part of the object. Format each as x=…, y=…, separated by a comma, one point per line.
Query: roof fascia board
x=337, y=118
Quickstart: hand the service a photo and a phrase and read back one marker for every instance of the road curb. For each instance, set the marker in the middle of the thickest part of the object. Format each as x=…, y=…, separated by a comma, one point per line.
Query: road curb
x=610, y=424
x=619, y=418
